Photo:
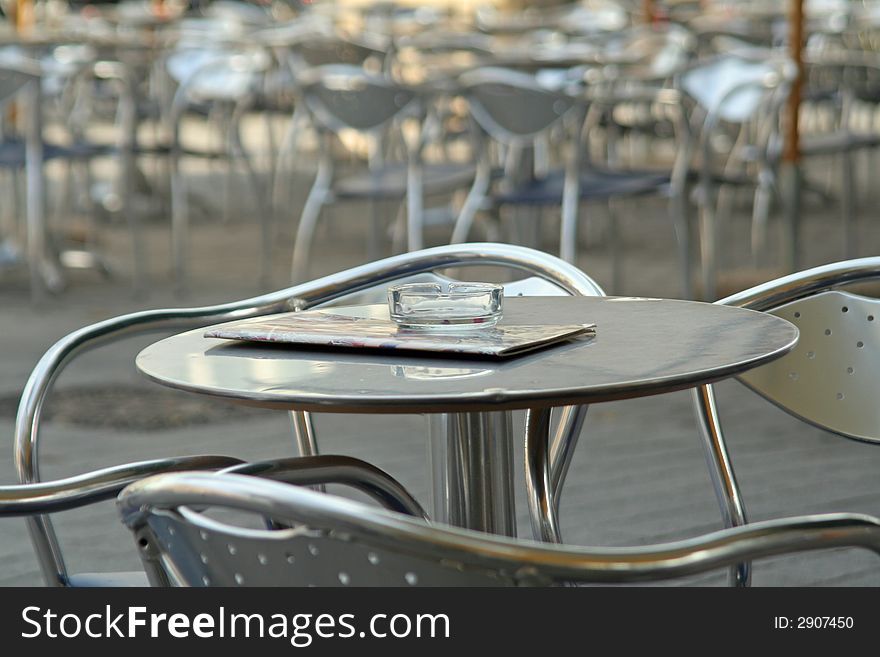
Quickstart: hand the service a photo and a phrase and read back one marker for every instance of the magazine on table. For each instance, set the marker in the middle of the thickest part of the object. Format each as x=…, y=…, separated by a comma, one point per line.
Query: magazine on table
x=329, y=329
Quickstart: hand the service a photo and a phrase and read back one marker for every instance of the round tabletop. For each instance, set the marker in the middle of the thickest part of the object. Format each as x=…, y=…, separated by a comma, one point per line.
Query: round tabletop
x=641, y=347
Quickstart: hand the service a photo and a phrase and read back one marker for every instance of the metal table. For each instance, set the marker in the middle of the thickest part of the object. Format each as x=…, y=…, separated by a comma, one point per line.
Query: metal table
x=641, y=347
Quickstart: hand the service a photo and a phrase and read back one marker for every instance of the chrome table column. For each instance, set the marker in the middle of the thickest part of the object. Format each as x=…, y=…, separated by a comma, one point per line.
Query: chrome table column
x=471, y=465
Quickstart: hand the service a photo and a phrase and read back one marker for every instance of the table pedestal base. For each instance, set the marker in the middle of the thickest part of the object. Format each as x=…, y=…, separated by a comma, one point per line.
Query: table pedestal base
x=471, y=464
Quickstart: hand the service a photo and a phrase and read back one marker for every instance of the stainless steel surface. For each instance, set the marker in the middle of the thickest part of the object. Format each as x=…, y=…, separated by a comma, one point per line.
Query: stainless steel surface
x=324, y=290
x=73, y=492
x=351, y=544
x=733, y=512
x=830, y=378
x=471, y=464
x=543, y=515
x=331, y=469
x=641, y=347
x=823, y=388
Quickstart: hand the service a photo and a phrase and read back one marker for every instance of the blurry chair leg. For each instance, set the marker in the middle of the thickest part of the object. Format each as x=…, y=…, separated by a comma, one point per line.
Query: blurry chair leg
x=760, y=216
x=305, y=232
x=179, y=224
x=415, y=201
x=708, y=249
x=266, y=223
x=847, y=204
x=616, y=255
x=539, y=487
x=281, y=179
x=472, y=203
x=681, y=228
x=733, y=512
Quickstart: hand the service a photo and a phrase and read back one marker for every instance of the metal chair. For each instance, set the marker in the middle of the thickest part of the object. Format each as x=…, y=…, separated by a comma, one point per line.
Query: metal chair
x=22, y=82
x=516, y=111
x=561, y=275
x=221, y=79
x=82, y=490
x=829, y=380
x=745, y=95
x=337, y=542
x=342, y=97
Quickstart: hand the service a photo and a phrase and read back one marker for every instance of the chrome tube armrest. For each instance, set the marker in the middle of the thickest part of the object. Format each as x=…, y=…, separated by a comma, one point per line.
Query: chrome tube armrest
x=90, y=487
x=328, y=469
x=520, y=562
x=805, y=283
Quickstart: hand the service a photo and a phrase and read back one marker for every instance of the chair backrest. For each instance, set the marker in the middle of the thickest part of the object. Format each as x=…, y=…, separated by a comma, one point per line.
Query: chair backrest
x=348, y=97
x=733, y=88
x=831, y=377
x=331, y=541
x=512, y=106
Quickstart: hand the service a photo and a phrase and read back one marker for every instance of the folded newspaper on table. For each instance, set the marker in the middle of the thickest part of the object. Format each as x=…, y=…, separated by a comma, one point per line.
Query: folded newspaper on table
x=327, y=329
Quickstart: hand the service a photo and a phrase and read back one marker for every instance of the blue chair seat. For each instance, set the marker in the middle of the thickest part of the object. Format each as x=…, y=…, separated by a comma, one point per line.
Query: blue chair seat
x=595, y=185
x=12, y=152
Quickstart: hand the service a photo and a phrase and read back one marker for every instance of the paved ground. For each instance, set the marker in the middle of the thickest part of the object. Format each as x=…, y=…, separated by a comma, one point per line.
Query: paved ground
x=638, y=475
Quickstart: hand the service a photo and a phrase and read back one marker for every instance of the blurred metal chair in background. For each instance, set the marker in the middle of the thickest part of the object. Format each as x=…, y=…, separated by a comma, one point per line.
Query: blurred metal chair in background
x=337, y=542
x=829, y=380
x=22, y=82
x=222, y=79
x=738, y=102
x=343, y=98
x=517, y=112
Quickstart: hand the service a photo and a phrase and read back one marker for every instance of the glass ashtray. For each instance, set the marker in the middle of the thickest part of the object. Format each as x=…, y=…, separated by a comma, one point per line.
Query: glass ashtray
x=445, y=306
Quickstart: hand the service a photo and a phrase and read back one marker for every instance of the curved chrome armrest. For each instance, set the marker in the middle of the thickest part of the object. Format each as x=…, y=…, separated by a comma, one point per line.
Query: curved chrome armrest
x=329, y=469
x=804, y=283
x=523, y=562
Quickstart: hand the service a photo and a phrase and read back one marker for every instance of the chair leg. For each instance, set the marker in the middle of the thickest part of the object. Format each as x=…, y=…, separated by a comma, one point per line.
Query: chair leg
x=562, y=446
x=305, y=232
x=472, y=203
x=542, y=508
x=266, y=224
x=727, y=491
x=760, y=216
x=179, y=224
x=280, y=183
x=616, y=255
x=847, y=204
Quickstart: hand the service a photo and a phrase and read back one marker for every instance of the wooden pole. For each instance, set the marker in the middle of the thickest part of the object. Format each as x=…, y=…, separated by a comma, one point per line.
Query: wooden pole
x=792, y=151
x=648, y=11
x=24, y=15
x=791, y=169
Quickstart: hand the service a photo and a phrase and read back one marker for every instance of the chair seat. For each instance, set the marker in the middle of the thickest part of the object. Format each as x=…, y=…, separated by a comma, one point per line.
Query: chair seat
x=594, y=185
x=390, y=182
x=837, y=142
x=13, y=152
x=829, y=143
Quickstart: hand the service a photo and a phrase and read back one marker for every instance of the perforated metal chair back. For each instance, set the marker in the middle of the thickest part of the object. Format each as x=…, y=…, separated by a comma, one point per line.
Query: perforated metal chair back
x=832, y=377
x=512, y=106
x=330, y=541
x=347, y=97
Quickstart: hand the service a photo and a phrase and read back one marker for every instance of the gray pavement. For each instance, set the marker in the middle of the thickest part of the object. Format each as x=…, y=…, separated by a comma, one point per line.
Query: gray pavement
x=638, y=475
